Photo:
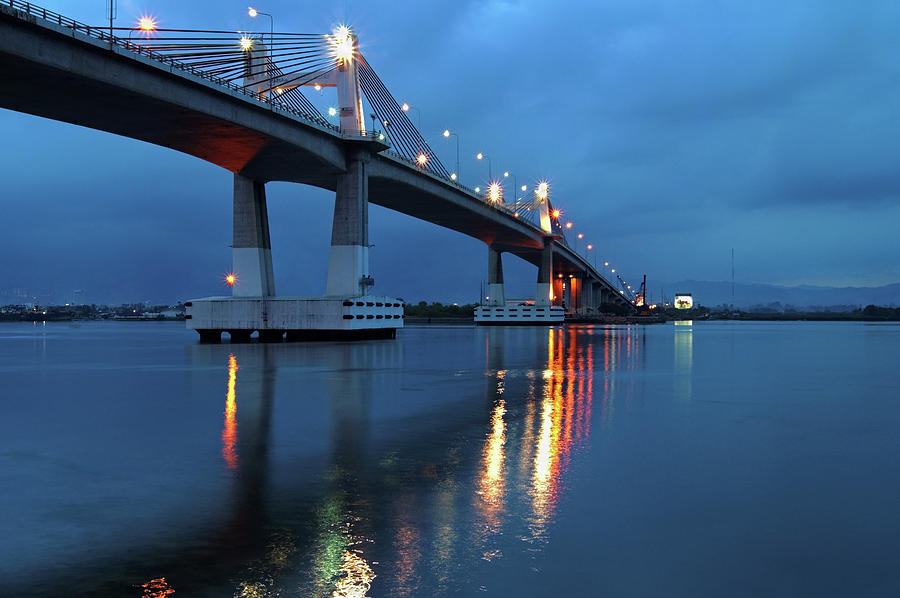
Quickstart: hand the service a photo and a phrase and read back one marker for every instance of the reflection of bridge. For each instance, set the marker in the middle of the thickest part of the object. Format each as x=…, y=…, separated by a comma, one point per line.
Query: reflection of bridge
x=238, y=102
x=334, y=468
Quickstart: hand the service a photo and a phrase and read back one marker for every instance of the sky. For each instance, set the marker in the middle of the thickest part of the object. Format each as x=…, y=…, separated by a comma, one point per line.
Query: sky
x=671, y=133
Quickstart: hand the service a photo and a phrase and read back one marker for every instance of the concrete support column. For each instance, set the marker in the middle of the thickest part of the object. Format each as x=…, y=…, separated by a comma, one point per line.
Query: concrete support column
x=587, y=296
x=496, y=291
x=251, y=247
x=545, y=275
x=348, y=264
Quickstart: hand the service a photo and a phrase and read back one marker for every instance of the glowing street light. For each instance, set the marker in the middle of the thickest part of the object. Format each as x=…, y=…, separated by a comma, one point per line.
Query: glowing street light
x=406, y=108
x=332, y=111
x=556, y=214
x=495, y=192
x=568, y=225
x=230, y=279
x=146, y=24
x=447, y=134
x=542, y=191
x=342, y=43
x=253, y=14
x=453, y=176
x=422, y=159
x=481, y=156
x=515, y=186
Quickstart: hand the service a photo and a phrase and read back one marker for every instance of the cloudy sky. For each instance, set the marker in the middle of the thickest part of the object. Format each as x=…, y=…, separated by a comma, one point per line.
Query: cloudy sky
x=671, y=133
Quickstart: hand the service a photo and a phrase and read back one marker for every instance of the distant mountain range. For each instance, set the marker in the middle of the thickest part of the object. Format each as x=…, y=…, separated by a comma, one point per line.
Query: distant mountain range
x=711, y=294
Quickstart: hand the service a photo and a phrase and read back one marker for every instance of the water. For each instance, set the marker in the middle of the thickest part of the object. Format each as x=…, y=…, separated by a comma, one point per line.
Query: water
x=716, y=459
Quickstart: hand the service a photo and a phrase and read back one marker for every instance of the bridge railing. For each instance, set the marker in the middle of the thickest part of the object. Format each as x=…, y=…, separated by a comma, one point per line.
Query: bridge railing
x=103, y=34
x=508, y=208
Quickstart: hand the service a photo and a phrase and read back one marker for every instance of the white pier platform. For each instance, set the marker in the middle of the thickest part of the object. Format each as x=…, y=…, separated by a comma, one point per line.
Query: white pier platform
x=518, y=315
x=294, y=318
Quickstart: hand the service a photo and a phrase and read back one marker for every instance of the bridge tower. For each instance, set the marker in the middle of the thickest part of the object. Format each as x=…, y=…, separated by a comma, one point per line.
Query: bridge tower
x=251, y=248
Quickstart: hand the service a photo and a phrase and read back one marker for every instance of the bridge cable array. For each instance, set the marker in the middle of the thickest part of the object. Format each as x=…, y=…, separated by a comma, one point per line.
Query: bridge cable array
x=405, y=138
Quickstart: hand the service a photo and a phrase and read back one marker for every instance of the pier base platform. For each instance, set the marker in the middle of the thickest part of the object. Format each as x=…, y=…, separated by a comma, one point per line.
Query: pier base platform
x=294, y=318
x=518, y=315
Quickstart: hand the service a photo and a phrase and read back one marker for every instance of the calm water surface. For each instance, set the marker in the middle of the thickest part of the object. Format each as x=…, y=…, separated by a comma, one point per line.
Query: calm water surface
x=719, y=459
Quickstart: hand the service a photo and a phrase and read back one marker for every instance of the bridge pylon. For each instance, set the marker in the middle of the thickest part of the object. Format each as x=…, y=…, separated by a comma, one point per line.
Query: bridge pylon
x=348, y=263
x=251, y=247
x=496, y=290
x=537, y=313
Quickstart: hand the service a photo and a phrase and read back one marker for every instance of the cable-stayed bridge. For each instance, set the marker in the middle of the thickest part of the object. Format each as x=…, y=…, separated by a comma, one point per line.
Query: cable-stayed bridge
x=239, y=100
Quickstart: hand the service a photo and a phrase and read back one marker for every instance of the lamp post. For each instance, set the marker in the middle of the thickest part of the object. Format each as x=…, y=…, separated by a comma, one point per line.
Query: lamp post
x=481, y=156
x=448, y=134
x=506, y=175
x=406, y=108
x=253, y=13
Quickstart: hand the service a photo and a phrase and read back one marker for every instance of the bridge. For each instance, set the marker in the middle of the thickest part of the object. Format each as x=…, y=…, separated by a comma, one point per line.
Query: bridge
x=237, y=100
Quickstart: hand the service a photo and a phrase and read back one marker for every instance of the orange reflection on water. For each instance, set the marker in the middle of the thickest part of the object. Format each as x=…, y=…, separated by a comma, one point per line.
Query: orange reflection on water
x=356, y=576
x=491, y=482
x=564, y=419
x=156, y=588
x=229, y=432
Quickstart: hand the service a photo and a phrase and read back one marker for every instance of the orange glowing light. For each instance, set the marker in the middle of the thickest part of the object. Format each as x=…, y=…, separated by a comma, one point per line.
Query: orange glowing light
x=568, y=225
x=422, y=159
x=147, y=23
x=495, y=193
x=342, y=44
x=230, y=279
x=556, y=214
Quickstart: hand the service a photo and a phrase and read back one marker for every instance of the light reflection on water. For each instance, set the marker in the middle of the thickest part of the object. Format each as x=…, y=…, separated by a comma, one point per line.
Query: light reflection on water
x=229, y=432
x=451, y=461
x=552, y=411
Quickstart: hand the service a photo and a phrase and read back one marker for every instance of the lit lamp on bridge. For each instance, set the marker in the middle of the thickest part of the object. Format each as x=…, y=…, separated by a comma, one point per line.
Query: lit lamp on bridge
x=254, y=13
x=447, y=134
x=480, y=156
x=495, y=193
x=146, y=25
x=506, y=175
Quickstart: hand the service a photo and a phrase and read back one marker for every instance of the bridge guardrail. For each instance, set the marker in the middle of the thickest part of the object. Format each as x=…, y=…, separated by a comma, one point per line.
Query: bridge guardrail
x=102, y=34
